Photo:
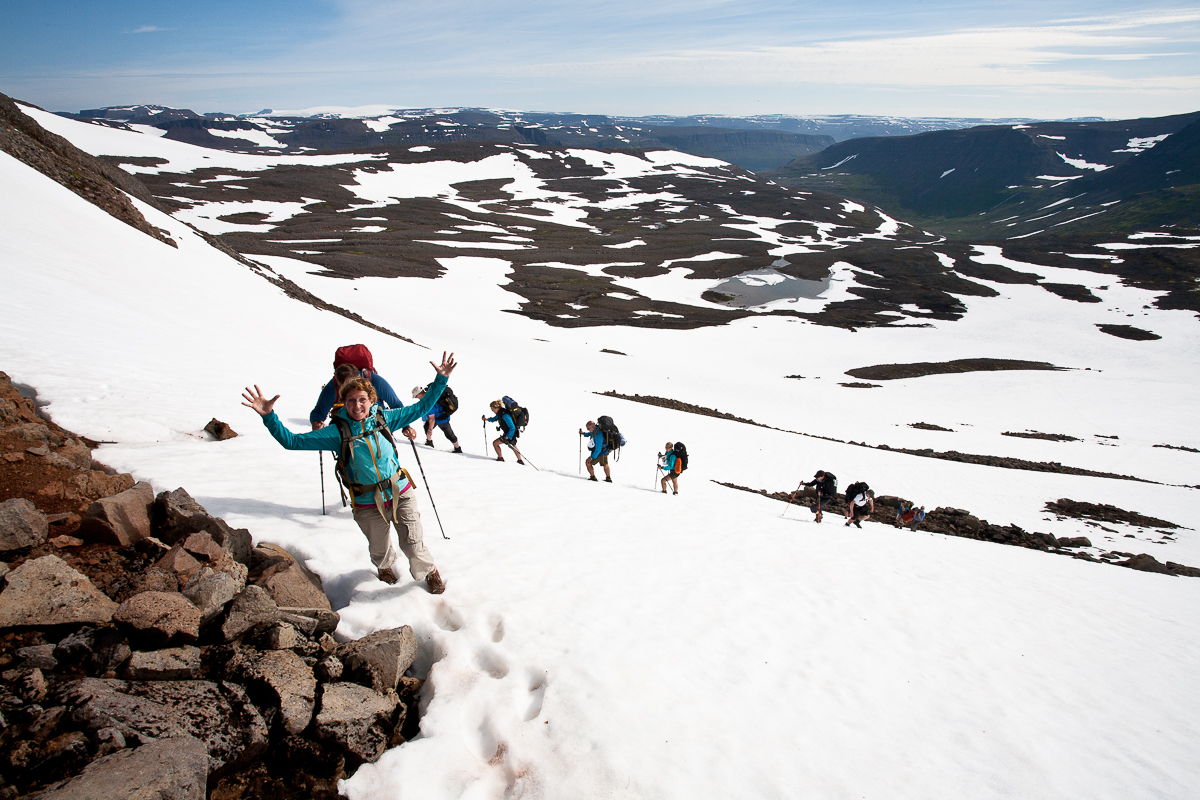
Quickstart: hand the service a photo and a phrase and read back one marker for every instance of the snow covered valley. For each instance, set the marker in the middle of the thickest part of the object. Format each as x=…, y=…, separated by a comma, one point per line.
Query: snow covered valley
x=604, y=640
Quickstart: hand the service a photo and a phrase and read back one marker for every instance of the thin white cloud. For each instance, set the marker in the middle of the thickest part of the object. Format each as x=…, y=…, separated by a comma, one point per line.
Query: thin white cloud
x=149, y=29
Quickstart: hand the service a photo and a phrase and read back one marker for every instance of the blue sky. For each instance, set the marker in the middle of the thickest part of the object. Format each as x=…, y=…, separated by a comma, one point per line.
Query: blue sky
x=904, y=57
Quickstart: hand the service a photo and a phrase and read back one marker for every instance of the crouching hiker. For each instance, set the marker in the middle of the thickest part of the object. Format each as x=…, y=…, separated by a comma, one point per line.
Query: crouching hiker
x=909, y=515
x=861, y=500
x=672, y=461
x=507, y=426
x=446, y=405
x=381, y=492
x=825, y=485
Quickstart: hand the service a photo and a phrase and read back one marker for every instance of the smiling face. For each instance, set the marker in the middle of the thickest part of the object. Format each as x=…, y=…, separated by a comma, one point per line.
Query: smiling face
x=358, y=403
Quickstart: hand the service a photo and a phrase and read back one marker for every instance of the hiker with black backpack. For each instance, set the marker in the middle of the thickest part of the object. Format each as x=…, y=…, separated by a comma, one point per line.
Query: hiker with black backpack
x=381, y=492
x=672, y=461
x=606, y=439
x=861, y=500
x=825, y=485
x=510, y=421
x=354, y=361
x=447, y=404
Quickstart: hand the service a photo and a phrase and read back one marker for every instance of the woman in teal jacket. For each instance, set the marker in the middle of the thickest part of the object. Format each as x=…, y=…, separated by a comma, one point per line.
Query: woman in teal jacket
x=381, y=492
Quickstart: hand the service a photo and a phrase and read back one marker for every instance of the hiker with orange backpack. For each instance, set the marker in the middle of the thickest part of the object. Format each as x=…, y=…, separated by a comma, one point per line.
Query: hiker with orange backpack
x=672, y=461
x=354, y=361
x=381, y=492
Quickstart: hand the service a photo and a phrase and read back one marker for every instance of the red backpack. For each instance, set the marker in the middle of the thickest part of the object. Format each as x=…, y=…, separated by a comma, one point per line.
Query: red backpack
x=356, y=354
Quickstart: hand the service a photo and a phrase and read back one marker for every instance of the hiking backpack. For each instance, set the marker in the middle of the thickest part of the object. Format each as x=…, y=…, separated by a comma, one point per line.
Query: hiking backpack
x=614, y=440
x=519, y=414
x=361, y=465
x=829, y=484
x=681, y=456
x=356, y=354
x=855, y=489
x=447, y=401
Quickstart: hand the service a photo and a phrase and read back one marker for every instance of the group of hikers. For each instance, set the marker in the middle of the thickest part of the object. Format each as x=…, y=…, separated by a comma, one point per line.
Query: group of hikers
x=364, y=411
x=860, y=499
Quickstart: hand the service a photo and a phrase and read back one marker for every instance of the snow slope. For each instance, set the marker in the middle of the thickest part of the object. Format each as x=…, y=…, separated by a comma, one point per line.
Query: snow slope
x=607, y=641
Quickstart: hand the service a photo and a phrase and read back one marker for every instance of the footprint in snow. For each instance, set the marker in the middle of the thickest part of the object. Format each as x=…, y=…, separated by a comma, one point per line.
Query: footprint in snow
x=537, y=693
x=446, y=617
x=491, y=663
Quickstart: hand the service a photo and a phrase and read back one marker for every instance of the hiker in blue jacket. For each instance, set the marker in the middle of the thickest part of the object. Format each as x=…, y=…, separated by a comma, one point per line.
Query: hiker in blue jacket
x=670, y=463
x=329, y=394
x=508, y=429
x=381, y=492
x=440, y=418
x=599, y=454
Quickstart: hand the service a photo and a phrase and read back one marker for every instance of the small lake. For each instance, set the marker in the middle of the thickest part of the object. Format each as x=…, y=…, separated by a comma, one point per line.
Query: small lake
x=761, y=286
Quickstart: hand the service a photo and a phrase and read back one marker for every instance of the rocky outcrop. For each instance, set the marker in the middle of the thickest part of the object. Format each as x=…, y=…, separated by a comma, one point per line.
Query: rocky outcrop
x=110, y=650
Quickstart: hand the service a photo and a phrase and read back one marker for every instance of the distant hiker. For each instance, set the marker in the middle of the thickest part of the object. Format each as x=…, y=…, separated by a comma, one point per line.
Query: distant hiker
x=368, y=465
x=861, y=499
x=908, y=514
x=672, y=461
x=508, y=417
x=825, y=485
x=354, y=361
x=605, y=439
x=447, y=404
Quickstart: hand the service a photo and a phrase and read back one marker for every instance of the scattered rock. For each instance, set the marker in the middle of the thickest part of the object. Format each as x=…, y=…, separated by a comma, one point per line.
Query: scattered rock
x=175, y=516
x=76, y=453
x=1146, y=563
x=41, y=450
x=328, y=669
x=219, y=430
x=170, y=664
x=287, y=677
x=181, y=563
x=929, y=426
x=154, y=579
x=31, y=685
x=251, y=611
x=66, y=541
x=21, y=524
x=14, y=458
x=122, y=519
x=288, y=581
x=45, y=591
x=280, y=637
x=39, y=656
x=889, y=372
x=861, y=385
x=1129, y=332
x=388, y=652
x=313, y=622
x=159, y=618
x=209, y=591
x=1075, y=541
x=1105, y=513
x=99, y=651
x=168, y=769
x=1049, y=437
x=359, y=720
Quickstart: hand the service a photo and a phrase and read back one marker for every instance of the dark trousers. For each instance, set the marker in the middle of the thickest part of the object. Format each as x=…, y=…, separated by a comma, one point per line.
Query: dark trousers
x=446, y=429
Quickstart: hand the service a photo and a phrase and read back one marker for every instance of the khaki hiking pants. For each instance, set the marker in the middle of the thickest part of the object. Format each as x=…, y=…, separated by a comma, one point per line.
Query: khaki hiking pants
x=408, y=530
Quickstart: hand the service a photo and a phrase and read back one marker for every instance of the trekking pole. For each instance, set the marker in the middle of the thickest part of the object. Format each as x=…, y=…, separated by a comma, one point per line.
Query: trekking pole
x=523, y=457
x=321, y=456
x=580, y=455
x=427, y=489
x=657, y=469
x=790, y=499
x=485, y=437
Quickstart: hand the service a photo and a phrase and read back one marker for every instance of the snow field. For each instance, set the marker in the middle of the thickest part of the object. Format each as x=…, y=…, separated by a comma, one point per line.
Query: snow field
x=601, y=640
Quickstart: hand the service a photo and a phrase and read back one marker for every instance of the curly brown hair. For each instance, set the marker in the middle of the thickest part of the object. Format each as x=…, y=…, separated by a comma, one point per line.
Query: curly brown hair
x=358, y=384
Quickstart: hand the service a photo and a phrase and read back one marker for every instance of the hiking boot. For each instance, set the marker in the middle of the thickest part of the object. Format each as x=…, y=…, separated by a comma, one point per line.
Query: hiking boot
x=665, y=491
x=457, y=449
x=435, y=583
x=519, y=461
x=858, y=524
x=429, y=442
x=591, y=477
x=387, y=575
x=674, y=492
x=499, y=458
x=608, y=480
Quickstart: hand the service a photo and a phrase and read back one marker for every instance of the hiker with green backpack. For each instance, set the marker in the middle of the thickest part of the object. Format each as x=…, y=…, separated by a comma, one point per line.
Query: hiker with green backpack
x=446, y=405
x=381, y=492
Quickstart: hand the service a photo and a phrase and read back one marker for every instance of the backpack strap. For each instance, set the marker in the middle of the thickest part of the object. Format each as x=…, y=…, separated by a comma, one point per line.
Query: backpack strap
x=343, y=465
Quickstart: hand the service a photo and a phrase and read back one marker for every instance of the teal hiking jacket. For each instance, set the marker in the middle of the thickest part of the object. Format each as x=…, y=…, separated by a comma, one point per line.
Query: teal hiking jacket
x=382, y=460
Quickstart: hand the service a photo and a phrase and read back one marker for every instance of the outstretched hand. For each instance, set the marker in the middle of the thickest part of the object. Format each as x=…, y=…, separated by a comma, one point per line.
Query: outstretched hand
x=259, y=403
x=447, y=366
